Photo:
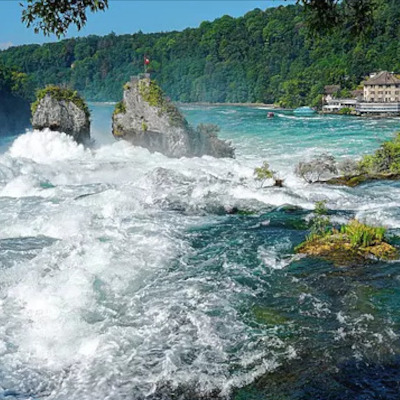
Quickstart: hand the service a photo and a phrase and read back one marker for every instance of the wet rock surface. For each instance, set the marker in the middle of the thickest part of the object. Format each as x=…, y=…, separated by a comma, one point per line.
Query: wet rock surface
x=146, y=118
x=62, y=115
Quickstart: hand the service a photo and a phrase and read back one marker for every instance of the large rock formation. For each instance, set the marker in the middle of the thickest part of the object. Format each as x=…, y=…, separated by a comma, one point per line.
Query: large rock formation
x=147, y=119
x=63, y=110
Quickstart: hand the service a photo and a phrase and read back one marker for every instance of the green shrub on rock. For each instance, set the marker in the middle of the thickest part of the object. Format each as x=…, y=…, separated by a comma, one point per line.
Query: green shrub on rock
x=60, y=93
x=120, y=108
x=352, y=243
x=321, y=223
x=362, y=235
x=385, y=160
x=384, y=164
x=153, y=94
x=263, y=173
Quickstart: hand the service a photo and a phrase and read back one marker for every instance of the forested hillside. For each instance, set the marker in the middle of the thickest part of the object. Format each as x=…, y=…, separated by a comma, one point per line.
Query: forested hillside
x=16, y=90
x=265, y=56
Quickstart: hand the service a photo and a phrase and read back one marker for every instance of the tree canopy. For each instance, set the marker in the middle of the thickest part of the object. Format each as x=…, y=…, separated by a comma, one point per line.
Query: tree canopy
x=55, y=16
x=265, y=56
x=15, y=83
x=50, y=16
x=356, y=16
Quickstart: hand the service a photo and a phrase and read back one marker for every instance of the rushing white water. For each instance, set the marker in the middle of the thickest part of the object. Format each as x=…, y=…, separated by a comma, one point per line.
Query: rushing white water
x=107, y=308
x=99, y=298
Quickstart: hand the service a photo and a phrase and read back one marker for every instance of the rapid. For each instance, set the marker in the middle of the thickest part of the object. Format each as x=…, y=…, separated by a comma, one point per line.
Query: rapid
x=124, y=274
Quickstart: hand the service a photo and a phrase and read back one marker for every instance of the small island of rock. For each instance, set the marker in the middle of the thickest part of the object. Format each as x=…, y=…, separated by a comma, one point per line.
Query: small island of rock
x=63, y=110
x=354, y=243
x=146, y=118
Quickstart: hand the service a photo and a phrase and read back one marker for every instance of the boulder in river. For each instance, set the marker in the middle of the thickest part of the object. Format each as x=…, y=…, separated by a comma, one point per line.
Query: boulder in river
x=354, y=243
x=146, y=118
x=62, y=109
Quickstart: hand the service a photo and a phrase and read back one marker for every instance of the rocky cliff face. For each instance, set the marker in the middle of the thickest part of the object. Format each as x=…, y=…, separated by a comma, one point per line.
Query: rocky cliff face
x=62, y=110
x=147, y=119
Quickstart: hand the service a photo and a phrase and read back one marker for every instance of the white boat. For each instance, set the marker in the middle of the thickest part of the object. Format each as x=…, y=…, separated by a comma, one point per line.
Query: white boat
x=304, y=111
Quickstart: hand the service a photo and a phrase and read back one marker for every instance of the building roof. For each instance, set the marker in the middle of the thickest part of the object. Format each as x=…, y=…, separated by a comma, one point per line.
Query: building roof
x=331, y=89
x=383, y=78
x=357, y=92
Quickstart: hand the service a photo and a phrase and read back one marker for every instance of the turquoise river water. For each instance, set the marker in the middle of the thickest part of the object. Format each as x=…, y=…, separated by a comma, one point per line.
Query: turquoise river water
x=122, y=277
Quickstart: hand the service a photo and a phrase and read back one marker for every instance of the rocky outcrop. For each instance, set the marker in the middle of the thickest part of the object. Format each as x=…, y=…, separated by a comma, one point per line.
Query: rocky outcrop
x=63, y=110
x=146, y=118
x=338, y=248
x=353, y=244
x=355, y=180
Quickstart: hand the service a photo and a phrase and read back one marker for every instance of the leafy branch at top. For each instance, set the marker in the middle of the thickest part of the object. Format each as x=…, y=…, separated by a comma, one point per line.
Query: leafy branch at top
x=56, y=16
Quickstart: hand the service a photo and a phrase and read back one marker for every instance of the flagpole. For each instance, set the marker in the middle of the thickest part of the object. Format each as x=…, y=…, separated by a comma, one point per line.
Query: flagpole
x=146, y=63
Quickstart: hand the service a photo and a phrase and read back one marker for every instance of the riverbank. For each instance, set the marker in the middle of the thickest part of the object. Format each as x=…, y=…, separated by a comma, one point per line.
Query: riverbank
x=208, y=104
x=250, y=105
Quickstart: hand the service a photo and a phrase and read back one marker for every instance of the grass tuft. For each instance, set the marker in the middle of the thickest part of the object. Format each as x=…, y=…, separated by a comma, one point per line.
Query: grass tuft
x=59, y=94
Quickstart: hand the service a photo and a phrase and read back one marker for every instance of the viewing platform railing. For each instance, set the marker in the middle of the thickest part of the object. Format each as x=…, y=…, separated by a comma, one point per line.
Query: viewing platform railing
x=364, y=108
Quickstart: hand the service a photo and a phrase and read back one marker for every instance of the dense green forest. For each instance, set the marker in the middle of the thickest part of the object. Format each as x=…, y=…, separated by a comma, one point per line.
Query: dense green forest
x=16, y=91
x=265, y=56
x=16, y=83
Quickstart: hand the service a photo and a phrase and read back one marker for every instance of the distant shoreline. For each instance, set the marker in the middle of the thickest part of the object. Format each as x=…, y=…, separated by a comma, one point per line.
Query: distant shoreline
x=207, y=104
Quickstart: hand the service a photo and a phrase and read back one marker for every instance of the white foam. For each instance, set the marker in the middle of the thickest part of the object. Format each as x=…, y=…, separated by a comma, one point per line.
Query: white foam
x=46, y=146
x=114, y=305
x=24, y=186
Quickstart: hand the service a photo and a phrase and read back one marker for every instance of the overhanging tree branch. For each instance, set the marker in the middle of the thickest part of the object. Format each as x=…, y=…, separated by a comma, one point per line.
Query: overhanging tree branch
x=56, y=16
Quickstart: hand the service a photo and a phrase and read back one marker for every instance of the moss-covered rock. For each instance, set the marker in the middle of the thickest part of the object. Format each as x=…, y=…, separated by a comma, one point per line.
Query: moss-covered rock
x=151, y=93
x=355, y=180
x=341, y=252
x=384, y=164
x=354, y=243
x=63, y=110
x=119, y=108
x=147, y=118
x=60, y=94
